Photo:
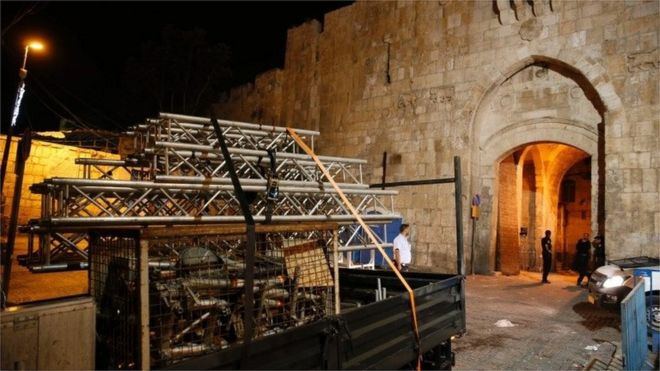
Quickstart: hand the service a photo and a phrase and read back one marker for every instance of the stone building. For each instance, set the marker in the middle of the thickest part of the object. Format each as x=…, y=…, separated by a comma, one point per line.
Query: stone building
x=551, y=105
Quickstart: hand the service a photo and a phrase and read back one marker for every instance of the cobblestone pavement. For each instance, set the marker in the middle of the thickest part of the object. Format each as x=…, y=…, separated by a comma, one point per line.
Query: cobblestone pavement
x=552, y=325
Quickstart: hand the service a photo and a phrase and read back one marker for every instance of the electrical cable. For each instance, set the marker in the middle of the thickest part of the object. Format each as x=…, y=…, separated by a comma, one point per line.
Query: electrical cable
x=65, y=108
x=103, y=114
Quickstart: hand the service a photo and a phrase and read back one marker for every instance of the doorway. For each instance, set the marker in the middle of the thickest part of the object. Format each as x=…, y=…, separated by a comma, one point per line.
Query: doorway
x=541, y=186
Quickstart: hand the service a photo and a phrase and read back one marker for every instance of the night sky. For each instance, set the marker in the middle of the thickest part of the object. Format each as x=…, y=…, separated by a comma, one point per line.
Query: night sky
x=83, y=70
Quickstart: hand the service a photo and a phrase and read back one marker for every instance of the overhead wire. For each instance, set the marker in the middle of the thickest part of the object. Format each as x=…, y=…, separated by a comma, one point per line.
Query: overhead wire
x=75, y=117
x=55, y=112
x=88, y=105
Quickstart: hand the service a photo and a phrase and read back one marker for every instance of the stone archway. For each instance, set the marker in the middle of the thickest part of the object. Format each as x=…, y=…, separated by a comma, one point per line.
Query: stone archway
x=494, y=143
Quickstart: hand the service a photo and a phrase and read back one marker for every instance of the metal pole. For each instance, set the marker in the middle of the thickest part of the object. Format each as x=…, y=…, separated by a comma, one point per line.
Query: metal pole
x=5, y=158
x=167, y=220
x=335, y=267
x=244, y=125
x=10, y=131
x=474, y=224
x=384, y=170
x=250, y=152
x=251, y=181
x=413, y=183
x=22, y=154
x=460, y=260
x=22, y=73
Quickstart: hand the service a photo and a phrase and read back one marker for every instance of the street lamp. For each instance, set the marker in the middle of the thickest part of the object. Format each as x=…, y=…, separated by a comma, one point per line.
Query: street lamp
x=22, y=154
x=22, y=73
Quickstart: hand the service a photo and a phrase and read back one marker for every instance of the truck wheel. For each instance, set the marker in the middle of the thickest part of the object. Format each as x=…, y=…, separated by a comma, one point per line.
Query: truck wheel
x=653, y=312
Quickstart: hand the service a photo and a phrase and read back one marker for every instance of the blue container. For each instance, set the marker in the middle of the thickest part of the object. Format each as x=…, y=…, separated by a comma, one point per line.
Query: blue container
x=646, y=274
x=386, y=232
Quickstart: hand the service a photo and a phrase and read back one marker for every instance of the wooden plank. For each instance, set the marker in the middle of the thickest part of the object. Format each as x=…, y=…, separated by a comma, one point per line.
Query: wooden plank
x=229, y=229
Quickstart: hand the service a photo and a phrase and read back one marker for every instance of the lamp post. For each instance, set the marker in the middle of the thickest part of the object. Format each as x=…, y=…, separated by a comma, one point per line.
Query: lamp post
x=22, y=73
x=22, y=154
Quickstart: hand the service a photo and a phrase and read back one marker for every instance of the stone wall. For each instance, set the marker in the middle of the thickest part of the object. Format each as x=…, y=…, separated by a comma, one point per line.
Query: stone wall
x=47, y=160
x=421, y=80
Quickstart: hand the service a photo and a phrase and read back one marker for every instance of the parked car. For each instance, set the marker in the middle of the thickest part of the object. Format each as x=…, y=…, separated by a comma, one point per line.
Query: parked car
x=609, y=284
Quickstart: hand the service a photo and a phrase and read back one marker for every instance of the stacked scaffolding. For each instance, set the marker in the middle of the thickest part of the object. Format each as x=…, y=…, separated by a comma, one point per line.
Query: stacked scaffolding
x=178, y=176
x=167, y=294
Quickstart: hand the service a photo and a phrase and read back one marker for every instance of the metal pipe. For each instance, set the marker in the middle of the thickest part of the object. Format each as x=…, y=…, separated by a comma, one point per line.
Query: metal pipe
x=460, y=260
x=22, y=155
x=215, y=157
x=162, y=264
x=60, y=267
x=238, y=124
x=413, y=183
x=363, y=247
x=235, y=283
x=108, y=185
x=253, y=152
x=210, y=303
x=185, y=350
x=251, y=181
x=107, y=162
x=186, y=330
x=196, y=129
x=168, y=220
x=335, y=268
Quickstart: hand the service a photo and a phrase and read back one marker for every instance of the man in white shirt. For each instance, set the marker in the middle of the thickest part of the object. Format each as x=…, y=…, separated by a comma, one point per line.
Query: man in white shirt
x=402, y=253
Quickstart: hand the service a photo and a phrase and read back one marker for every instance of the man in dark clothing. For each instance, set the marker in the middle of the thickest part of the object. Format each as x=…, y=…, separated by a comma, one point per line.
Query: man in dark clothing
x=599, y=252
x=546, y=248
x=582, y=257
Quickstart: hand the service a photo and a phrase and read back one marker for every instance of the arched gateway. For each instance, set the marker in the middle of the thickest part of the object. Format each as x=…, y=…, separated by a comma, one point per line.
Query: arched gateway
x=539, y=122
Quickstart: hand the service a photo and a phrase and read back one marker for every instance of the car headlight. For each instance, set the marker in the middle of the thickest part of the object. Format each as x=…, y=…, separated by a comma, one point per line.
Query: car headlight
x=615, y=281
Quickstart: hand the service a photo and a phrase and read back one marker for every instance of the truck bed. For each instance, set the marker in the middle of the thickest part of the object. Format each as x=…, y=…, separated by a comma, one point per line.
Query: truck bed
x=366, y=335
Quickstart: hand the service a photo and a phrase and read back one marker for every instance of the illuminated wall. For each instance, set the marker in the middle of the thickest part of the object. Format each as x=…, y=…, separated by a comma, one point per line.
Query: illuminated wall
x=46, y=160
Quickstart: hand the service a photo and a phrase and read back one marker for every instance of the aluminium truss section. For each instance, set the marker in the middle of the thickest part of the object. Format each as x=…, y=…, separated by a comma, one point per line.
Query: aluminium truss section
x=130, y=168
x=72, y=201
x=207, y=161
x=175, y=128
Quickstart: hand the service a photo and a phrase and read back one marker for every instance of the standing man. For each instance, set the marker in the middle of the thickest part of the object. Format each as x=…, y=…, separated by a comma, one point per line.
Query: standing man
x=599, y=252
x=402, y=253
x=582, y=257
x=546, y=248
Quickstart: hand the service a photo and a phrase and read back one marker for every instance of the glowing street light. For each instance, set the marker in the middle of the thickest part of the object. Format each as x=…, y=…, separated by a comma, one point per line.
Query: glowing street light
x=36, y=45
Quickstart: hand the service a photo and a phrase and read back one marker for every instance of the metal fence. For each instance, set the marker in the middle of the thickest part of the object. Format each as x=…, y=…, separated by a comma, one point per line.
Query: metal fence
x=195, y=296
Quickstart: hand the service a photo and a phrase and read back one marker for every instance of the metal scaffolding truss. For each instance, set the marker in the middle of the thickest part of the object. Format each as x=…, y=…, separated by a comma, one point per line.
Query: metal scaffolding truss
x=177, y=175
x=175, y=128
x=73, y=201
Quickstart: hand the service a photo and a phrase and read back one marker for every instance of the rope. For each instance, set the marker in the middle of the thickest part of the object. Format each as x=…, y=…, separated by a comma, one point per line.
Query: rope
x=374, y=240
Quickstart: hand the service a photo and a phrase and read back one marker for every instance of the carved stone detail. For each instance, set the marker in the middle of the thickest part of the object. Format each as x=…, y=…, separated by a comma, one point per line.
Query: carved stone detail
x=531, y=29
x=644, y=61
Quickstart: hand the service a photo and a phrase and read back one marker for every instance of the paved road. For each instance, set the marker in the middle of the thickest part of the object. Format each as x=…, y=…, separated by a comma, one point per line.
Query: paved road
x=552, y=325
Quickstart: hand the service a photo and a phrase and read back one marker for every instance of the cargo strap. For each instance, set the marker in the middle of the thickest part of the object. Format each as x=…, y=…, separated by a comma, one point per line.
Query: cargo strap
x=336, y=336
x=374, y=240
x=248, y=296
x=272, y=185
